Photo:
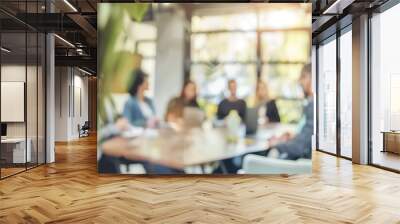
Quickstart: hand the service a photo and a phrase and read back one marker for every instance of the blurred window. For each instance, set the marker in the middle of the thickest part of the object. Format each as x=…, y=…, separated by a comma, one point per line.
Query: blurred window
x=224, y=47
x=247, y=45
x=143, y=37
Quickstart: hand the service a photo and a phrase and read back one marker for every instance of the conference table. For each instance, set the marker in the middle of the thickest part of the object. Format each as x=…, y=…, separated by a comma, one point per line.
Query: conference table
x=198, y=146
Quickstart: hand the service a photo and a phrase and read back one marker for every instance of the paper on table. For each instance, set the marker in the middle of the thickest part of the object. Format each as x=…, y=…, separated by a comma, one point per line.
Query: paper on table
x=133, y=132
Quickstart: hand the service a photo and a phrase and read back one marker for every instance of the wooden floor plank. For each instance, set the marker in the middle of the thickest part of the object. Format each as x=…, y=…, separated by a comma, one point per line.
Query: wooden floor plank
x=71, y=191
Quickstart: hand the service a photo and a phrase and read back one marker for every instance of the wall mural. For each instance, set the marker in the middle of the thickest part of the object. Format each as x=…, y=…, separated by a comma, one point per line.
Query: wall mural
x=204, y=88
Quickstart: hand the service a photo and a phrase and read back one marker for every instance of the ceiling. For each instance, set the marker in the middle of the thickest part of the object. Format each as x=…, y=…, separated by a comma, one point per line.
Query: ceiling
x=76, y=20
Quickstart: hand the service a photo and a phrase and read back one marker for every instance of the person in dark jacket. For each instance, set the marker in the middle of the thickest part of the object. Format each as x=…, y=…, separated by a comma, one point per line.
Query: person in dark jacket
x=232, y=103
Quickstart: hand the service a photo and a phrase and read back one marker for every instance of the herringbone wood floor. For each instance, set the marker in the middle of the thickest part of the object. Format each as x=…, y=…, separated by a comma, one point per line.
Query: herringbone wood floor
x=71, y=191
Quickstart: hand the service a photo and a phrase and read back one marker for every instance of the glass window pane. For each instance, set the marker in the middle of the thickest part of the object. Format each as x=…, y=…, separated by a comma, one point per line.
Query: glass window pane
x=212, y=81
x=283, y=85
x=286, y=46
x=327, y=97
x=282, y=80
x=242, y=21
x=135, y=33
x=222, y=47
x=385, y=85
x=146, y=48
x=290, y=110
x=293, y=16
x=346, y=94
x=142, y=31
x=148, y=66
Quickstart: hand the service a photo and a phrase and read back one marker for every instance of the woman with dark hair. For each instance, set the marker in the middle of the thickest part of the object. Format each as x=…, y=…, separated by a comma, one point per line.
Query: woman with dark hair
x=264, y=102
x=139, y=109
x=189, y=94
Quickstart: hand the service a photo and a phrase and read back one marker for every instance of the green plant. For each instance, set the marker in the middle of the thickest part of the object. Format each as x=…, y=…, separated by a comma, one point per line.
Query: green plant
x=115, y=65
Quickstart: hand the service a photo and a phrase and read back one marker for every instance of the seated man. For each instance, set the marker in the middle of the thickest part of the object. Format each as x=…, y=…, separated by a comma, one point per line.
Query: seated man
x=231, y=103
x=298, y=146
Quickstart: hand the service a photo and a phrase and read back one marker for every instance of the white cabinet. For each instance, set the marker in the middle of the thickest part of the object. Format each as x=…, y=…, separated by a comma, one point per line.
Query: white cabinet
x=19, y=155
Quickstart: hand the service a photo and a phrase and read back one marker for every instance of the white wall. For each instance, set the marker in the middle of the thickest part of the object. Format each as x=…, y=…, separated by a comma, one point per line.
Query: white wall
x=13, y=73
x=169, y=58
x=70, y=84
x=61, y=103
x=33, y=125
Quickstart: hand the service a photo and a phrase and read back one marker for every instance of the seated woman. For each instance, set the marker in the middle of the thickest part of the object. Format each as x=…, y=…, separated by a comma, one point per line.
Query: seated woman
x=189, y=94
x=193, y=115
x=139, y=109
x=265, y=104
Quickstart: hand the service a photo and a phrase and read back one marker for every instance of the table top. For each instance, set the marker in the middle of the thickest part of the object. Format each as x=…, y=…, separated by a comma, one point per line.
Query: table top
x=391, y=132
x=13, y=140
x=199, y=145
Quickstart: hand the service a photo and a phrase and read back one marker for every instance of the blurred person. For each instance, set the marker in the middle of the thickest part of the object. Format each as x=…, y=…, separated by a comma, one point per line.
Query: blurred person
x=110, y=153
x=174, y=114
x=139, y=109
x=112, y=123
x=189, y=94
x=298, y=146
x=262, y=95
x=232, y=102
x=116, y=150
x=193, y=115
x=266, y=105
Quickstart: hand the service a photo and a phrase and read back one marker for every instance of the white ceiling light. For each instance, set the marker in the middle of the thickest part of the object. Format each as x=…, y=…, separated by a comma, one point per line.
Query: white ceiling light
x=337, y=7
x=65, y=41
x=70, y=5
x=84, y=71
x=5, y=50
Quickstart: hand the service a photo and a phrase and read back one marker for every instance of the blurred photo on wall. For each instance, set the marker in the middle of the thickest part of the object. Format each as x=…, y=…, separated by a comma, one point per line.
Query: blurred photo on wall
x=211, y=88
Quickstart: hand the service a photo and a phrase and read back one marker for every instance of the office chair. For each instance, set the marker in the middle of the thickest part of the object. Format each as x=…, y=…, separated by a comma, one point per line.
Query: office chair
x=84, y=130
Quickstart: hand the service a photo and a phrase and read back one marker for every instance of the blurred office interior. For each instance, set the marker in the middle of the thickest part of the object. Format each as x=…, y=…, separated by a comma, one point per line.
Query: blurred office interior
x=211, y=44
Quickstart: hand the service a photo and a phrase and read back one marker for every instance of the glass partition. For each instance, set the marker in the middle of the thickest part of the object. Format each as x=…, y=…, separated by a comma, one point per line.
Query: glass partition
x=346, y=94
x=41, y=96
x=23, y=88
x=14, y=145
x=31, y=97
x=327, y=96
